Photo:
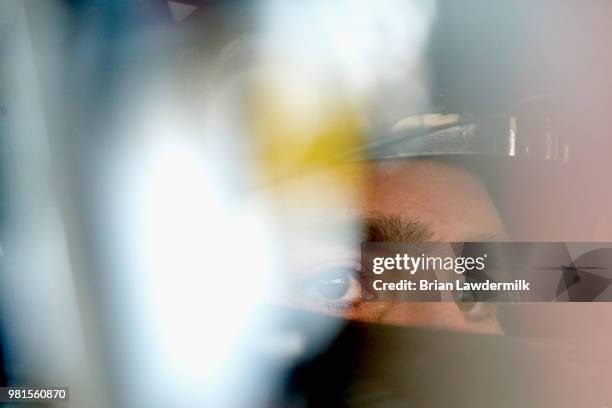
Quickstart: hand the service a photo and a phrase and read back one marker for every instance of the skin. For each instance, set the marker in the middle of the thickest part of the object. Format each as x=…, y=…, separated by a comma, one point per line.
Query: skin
x=456, y=207
x=450, y=201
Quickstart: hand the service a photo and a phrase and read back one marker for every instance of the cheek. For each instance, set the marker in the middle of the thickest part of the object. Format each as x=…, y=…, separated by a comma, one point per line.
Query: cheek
x=445, y=315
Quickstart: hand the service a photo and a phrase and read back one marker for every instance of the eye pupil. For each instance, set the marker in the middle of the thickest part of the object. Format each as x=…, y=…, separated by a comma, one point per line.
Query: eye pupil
x=334, y=285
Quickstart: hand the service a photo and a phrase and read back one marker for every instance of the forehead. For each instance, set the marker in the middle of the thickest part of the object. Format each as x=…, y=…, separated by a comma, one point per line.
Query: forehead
x=450, y=200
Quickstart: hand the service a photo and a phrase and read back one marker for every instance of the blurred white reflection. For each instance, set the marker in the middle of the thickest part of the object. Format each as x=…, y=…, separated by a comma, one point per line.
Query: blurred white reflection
x=359, y=44
x=197, y=257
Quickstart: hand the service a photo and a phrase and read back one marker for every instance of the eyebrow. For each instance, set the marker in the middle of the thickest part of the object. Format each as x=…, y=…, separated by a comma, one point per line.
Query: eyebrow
x=395, y=228
x=398, y=228
x=391, y=228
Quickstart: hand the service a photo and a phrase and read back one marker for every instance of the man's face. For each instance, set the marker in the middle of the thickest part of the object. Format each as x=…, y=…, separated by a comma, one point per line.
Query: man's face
x=386, y=201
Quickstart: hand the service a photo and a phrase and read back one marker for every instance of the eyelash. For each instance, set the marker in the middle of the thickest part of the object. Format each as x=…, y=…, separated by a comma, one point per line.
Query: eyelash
x=344, y=306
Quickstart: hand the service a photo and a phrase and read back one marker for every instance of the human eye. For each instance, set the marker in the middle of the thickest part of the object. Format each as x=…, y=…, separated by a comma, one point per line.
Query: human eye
x=335, y=285
x=475, y=310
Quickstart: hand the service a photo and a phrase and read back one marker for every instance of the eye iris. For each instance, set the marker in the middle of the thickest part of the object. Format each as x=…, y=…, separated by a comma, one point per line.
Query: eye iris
x=334, y=286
